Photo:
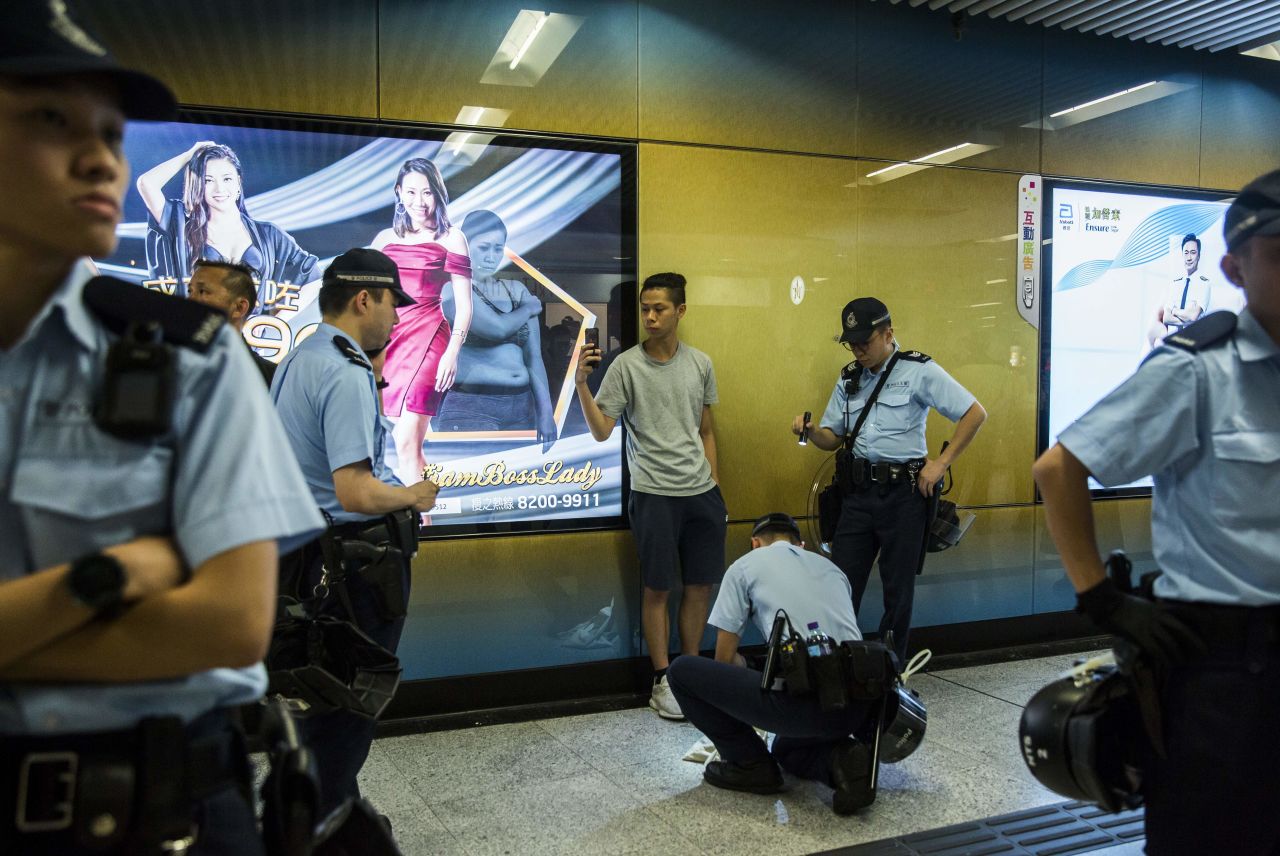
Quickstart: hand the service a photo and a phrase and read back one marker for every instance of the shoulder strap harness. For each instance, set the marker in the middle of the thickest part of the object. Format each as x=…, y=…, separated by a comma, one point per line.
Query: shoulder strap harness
x=1210, y=331
x=120, y=305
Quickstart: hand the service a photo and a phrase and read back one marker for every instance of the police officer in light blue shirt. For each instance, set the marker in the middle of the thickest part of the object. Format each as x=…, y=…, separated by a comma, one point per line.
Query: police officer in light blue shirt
x=724, y=700
x=326, y=394
x=884, y=468
x=144, y=489
x=1202, y=416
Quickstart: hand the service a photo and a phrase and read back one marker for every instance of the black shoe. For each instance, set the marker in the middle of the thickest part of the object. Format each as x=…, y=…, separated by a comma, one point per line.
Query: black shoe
x=851, y=776
x=761, y=777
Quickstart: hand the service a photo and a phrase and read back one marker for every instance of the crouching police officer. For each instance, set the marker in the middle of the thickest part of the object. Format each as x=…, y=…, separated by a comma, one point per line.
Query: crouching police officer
x=325, y=392
x=144, y=484
x=884, y=471
x=1208, y=402
x=725, y=700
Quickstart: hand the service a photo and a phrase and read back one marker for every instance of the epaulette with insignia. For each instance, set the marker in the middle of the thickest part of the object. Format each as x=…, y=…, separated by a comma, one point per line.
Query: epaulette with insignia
x=350, y=351
x=182, y=322
x=1213, y=329
x=914, y=356
x=850, y=371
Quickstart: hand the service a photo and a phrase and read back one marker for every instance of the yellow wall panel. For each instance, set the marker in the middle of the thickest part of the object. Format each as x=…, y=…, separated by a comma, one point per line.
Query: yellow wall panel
x=1151, y=134
x=742, y=226
x=750, y=73
x=295, y=56
x=922, y=90
x=1241, y=122
x=935, y=246
x=578, y=74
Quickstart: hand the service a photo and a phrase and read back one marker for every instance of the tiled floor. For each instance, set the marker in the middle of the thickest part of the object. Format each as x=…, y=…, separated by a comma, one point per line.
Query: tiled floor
x=615, y=782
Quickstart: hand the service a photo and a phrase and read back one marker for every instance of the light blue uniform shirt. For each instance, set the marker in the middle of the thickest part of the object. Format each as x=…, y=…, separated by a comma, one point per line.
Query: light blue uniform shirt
x=1206, y=426
x=894, y=430
x=224, y=478
x=784, y=576
x=329, y=407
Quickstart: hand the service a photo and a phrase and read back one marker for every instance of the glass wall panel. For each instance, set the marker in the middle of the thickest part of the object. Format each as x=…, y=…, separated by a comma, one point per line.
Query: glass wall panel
x=984, y=577
x=1122, y=524
x=495, y=604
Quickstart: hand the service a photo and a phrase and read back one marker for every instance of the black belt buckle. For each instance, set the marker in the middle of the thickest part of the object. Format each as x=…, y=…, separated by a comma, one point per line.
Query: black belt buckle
x=46, y=791
x=881, y=472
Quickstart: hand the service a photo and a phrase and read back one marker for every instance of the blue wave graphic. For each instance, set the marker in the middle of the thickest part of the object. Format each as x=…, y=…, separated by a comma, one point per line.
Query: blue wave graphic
x=1148, y=242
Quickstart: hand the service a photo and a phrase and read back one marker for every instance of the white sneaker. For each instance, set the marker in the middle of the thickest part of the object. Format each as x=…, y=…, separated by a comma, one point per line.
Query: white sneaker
x=664, y=701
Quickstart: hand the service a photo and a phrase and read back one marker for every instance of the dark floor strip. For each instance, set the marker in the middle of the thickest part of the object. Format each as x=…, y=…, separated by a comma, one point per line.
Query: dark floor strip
x=1064, y=829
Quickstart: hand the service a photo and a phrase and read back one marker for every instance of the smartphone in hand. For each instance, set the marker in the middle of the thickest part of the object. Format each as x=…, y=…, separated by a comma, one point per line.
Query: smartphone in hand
x=592, y=337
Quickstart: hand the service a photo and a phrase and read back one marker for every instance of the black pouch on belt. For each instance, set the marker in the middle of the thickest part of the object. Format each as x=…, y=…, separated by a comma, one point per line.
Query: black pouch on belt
x=403, y=526
x=385, y=576
x=844, y=472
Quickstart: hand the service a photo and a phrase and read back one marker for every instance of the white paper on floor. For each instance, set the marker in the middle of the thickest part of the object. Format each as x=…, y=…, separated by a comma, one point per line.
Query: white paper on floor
x=704, y=751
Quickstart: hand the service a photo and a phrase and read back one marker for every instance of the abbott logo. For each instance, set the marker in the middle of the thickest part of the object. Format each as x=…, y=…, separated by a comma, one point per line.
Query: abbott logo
x=1066, y=212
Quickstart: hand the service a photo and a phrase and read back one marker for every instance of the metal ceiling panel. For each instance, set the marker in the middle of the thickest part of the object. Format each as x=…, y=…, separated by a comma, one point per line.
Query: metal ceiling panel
x=1212, y=25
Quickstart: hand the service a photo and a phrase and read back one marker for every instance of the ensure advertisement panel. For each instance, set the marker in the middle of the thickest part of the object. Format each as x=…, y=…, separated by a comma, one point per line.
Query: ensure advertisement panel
x=1124, y=268
x=536, y=236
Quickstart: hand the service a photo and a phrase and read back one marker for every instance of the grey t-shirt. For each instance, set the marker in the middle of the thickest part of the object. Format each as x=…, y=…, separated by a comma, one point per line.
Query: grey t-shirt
x=660, y=405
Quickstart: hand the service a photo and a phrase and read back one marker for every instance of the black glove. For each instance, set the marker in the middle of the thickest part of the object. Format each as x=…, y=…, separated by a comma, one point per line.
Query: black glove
x=1148, y=625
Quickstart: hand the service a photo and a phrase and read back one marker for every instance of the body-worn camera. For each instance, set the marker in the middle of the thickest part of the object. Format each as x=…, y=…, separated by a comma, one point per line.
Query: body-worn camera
x=137, y=395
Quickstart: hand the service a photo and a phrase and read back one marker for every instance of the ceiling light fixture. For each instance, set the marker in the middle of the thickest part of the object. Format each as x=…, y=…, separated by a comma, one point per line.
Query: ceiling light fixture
x=1113, y=95
x=533, y=34
x=925, y=159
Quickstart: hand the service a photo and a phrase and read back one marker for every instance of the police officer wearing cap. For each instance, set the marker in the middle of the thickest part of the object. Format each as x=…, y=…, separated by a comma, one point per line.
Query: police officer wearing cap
x=145, y=485
x=326, y=395
x=885, y=474
x=1208, y=402
x=724, y=700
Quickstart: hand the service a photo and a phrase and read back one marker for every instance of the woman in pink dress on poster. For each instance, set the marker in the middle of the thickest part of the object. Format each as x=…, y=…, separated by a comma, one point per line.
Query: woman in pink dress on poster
x=422, y=358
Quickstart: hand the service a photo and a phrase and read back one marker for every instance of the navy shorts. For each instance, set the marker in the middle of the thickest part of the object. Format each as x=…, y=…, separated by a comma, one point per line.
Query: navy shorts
x=687, y=531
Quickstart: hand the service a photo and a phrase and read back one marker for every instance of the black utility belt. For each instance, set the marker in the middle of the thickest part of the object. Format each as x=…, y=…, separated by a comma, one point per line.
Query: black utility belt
x=132, y=790
x=1226, y=624
x=853, y=473
x=398, y=529
x=378, y=551
x=837, y=674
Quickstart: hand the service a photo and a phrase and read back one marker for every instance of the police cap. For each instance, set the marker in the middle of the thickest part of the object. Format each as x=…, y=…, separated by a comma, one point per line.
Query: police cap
x=860, y=318
x=39, y=39
x=1256, y=211
x=776, y=521
x=368, y=269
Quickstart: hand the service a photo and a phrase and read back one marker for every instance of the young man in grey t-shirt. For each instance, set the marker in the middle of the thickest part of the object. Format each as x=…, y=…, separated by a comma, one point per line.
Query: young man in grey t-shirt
x=663, y=389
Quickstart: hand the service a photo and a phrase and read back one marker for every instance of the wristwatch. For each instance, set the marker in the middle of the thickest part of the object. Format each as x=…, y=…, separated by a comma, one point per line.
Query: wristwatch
x=97, y=581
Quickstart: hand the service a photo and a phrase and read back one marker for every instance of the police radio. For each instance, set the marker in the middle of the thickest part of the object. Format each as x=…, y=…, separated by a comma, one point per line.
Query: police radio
x=138, y=388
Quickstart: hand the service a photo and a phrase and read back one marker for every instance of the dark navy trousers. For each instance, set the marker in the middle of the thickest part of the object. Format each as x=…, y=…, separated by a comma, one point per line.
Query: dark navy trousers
x=1218, y=789
x=725, y=701
x=340, y=740
x=886, y=521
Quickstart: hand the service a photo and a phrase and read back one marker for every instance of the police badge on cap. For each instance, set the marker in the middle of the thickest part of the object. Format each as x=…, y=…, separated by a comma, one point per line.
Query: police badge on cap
x=860, y=318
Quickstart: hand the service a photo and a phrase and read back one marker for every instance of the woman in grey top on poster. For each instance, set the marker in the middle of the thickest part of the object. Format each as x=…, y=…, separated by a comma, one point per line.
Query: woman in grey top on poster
x=502, y=382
